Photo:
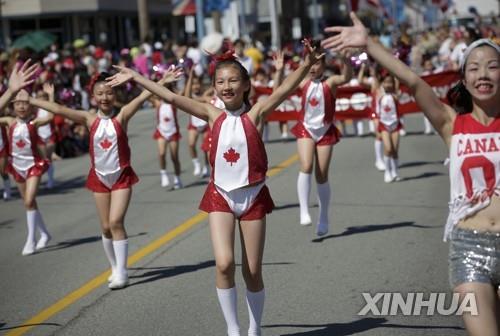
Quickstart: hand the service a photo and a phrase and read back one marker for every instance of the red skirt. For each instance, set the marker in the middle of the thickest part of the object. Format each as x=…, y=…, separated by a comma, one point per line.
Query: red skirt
x=331, y=137
x=174, y=137
x=213, y=201
x=38, y=169
x=126, y=180
x=395, y=128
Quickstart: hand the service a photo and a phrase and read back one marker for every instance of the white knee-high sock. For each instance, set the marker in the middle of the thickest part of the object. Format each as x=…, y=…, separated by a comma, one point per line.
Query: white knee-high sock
x=40, y=224
x=255, y=304
x=379, y=150
x=110, y=252
x=303, y=191
x=120, y=248
x=31, y=220
x=324, y=194
x=228, y=303
x=394, y=166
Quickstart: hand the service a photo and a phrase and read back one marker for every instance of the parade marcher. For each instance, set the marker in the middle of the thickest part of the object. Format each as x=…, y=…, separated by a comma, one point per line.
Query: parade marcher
x=374, y=118
x=237, y=189
x=111, y=175
x=167, y=135
x=470, y=127
x=25, y=163
x=4, y=152
x=385, y=92
x=46, y=133
x=196, y=126
x=316, y=135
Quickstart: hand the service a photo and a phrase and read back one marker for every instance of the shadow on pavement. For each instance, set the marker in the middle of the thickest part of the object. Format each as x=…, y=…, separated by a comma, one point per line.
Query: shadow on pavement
x=80, y=241
x=419, y=163
x=158, y=273
x=354, y=327
x=371, y=228
x=62, y=187
x=421, y=176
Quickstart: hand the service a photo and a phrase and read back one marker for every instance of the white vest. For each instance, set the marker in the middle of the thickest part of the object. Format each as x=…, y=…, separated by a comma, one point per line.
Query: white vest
x=21, y=147
x=387, y=110
x=314, y=106
x=167, y=123
x=231, y=160
x=44, y=131
x=105, y=142
x=474, y=168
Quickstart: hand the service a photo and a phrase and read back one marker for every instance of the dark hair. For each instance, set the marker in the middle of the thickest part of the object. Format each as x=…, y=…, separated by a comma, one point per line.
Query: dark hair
x=224, y=61
x=460, y=99
x=97, y=78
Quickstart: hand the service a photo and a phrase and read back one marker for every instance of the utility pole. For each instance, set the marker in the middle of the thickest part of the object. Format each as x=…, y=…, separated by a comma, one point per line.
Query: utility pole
x=275, y=29
x=200, y=23
x=142, y=8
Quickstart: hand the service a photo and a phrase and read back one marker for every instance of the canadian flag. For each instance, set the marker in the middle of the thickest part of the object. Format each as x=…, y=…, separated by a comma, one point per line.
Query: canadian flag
x=373, y=6
x=442, y=4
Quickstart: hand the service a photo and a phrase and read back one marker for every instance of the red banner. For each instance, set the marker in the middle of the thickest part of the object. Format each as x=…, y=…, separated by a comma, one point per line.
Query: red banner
x=356, y=102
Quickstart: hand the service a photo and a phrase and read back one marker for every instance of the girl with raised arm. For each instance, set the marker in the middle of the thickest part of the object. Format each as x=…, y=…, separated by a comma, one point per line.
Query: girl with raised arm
x=237, y=189
x=25, y=163
x=470, y=127
x=316, y=135
x=111, y=175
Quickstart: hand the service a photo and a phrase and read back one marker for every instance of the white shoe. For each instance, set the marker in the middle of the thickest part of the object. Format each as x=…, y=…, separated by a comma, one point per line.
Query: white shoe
x=165, y=182
x=446, y=161
x=284, y=135
x=380, y=165
x=402, y=132
x=7, y=195
x=197, y=170
x=204, y=172
x=112, y=276
x=29, y=248
x=118, y=282
x=387, y=177
x=178, y=185
x=321, y=229
x=396, y=178
x=43, y=241
x=305, y=220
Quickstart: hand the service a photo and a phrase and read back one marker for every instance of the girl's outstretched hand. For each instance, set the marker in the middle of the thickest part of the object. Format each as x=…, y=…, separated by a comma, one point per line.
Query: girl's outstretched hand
x=48, y=88
x=346, y=37
x=23, y=76
x=279, y=60
x=124, y=75
x=172, y=74
x=313, y=55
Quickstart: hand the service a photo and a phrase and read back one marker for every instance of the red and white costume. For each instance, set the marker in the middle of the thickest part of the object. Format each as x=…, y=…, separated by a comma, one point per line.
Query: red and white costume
x=24, y=159
x=207, y=139
x=197, y=124
x=239, y=165
x=4, y=142
x=387, y=111
x=316, y=119
x=474, y=168
x=46, y=132
x=167, y=126
x=109, y=157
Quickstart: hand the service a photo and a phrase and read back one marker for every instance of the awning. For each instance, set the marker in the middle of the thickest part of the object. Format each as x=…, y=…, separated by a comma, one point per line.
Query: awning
x=184, y=8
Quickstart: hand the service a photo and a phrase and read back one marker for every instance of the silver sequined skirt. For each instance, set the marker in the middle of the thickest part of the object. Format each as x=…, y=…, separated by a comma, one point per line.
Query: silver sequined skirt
x=474, y=257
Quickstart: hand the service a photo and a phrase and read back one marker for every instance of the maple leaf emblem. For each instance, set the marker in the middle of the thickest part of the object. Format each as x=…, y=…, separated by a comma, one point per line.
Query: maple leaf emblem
x=167, y=119
x=231, y=156
x=105, y=144
x=387, y=108
x=313, y=102
x=20, y=143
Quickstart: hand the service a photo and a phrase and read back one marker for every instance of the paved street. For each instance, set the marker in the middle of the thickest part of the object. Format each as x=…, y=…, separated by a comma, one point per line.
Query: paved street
x=383, y=238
